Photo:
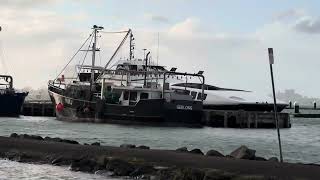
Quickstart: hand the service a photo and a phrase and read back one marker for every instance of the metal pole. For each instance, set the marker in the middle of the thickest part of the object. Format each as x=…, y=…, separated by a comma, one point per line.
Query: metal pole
x=271, y=59
x=158, y=49
x=130, y=44
x=94, y=46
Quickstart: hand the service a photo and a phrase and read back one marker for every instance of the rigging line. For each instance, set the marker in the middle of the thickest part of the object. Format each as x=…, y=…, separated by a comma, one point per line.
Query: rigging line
x=73, y=56
x=87, y=49
x=113, y=65
x=117, y=50
x=85, y=56
x=114, y=32
x=115, y=53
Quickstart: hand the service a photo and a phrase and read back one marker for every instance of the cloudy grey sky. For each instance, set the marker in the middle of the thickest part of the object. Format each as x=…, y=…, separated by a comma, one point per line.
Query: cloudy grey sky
x=228, y=39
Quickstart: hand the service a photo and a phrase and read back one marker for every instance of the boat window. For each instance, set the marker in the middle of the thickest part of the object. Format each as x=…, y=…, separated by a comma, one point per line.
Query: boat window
x=126, y=95
x=182, y=91
x=144, y=96
x=236, y=98
x=200, y=95
x=133, y=67
x=82, y=93
x=133, y=96
x=193, y=94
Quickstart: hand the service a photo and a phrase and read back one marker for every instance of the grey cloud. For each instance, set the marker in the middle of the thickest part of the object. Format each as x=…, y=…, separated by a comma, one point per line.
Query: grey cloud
x=308, y=25
x=301, y=21
x=157, y=18
x=33, y=3
x=25, y=3
x=161, y=19
x=288, y=14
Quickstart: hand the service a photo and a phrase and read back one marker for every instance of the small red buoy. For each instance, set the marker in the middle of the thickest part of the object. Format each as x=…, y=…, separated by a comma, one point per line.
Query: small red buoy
x=59, y=107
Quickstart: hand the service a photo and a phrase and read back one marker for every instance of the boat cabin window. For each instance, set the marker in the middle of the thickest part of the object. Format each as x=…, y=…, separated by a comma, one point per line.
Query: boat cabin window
x=182, y=91
x=144, y=95
x=133, y=68
x=193, y=94
x=133, y=96
x=126, y=95
x=120, y=67
x=82, y=93
x=200, y=96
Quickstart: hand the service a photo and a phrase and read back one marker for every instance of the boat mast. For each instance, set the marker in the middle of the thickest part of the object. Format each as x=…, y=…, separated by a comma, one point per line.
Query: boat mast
x=146, y=69
x=131, y=44
x=94, y=49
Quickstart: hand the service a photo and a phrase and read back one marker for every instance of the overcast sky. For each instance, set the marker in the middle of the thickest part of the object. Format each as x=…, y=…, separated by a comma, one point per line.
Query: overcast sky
x=228, y=39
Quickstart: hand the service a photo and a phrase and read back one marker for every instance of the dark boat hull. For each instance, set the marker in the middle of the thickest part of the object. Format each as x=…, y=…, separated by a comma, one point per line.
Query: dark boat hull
x=145, y=112
x=11, y=104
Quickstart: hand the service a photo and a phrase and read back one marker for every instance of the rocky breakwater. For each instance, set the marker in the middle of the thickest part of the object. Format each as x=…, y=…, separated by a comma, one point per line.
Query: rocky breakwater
x=141, y=162
x=243, y=152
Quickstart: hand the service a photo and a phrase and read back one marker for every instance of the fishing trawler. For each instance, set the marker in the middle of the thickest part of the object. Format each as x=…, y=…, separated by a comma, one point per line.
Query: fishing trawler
x=130, y=92
x=11, y=100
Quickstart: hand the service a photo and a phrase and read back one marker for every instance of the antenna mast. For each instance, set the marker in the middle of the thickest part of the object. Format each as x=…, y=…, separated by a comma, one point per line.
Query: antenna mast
x=158, y=49
x=131, y=44
x=96, y=29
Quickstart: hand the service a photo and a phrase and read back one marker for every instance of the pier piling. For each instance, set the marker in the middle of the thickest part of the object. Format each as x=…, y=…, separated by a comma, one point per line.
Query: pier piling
x=38, y=108
x=296, y=108
x=244, y=119
x=290, y=105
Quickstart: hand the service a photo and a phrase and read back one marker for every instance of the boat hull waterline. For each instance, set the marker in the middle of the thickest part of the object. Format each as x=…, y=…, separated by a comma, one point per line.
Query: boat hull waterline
x=145, y=112
x=11, y=104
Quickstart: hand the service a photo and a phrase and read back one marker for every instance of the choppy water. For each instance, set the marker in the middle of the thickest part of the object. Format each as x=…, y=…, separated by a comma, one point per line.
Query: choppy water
x=14, y=170
x=301, y=143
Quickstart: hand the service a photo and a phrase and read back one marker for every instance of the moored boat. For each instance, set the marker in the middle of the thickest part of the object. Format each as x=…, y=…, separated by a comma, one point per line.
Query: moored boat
x=216, y=98
x=11, y=100
x=124, y=95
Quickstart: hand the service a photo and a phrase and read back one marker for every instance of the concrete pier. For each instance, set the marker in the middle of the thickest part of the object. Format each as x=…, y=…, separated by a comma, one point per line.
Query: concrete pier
x=38, y=108
x=244, y=119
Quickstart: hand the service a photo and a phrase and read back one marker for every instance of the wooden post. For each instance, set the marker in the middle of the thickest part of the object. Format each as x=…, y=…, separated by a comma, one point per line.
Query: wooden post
x=208, y=118
x=43, y=109
x=256, y=120
x=32, y=109
x=296, y=107
x=290, y=105
x=249, y=120
x=225, y=122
